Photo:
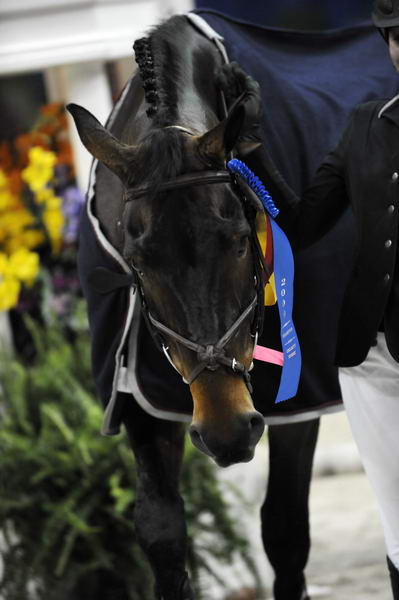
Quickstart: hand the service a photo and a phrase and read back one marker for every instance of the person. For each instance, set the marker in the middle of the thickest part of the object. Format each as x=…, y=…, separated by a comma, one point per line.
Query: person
x=363, y=172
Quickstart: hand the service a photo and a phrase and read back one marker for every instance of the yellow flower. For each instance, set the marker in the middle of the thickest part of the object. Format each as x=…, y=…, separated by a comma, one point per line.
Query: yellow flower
x=7, y=199
x=9, y=293
x=54, y=222
x=3, y=265
x=9, y=285
x=40, y=169
x=30, y=238
x=3, y=180
x=46, y=196
x=43, y=195
x=54, y=203
x=24, y=265
x=13, y=222
x=14, y=243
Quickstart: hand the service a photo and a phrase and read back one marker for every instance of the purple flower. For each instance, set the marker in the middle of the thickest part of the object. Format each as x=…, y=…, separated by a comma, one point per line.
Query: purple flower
x=73, y=202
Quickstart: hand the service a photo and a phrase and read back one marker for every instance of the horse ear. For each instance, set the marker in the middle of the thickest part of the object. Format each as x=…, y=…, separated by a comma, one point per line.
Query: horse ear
x=101, y=143
x=240, y=130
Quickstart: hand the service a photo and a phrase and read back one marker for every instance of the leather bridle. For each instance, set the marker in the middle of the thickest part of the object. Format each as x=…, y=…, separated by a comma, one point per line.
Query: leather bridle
x=211, y=356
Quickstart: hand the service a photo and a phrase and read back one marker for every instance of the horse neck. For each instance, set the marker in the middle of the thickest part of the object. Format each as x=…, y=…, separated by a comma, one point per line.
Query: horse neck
x=186, y=64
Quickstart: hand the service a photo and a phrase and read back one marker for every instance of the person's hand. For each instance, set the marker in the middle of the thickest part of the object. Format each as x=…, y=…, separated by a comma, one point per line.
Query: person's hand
x=235, y=84
x=233, y=81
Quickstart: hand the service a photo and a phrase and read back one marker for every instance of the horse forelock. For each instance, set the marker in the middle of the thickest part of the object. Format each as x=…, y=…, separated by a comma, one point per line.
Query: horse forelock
x=161, y=157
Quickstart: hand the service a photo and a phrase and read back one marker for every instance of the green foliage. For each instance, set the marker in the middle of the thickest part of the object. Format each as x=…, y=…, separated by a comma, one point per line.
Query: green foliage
x=67, y=493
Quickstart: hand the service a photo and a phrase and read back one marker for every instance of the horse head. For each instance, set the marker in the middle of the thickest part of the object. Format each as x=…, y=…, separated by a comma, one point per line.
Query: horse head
x=188, y=236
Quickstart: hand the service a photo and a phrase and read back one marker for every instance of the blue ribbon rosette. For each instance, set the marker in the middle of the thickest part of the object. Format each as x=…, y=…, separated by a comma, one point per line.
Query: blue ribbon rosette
x=284, y=282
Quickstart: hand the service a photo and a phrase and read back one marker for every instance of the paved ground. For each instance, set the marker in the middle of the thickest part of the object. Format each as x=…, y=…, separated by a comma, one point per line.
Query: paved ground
x=348, y=555
x=347, y=560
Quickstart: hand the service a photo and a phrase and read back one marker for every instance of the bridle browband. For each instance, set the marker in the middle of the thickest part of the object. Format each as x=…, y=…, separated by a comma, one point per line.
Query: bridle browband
x=182, y=181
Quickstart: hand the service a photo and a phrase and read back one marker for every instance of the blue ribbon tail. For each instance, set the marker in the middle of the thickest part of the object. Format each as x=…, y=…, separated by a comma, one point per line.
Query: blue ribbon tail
x=284, y=278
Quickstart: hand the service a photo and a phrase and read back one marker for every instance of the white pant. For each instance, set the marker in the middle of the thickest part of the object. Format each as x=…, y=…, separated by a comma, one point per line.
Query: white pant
x=371, y=397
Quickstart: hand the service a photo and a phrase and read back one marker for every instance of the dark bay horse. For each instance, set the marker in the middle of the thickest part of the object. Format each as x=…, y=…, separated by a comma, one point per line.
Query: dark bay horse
x=190, y=249
x=166, y=202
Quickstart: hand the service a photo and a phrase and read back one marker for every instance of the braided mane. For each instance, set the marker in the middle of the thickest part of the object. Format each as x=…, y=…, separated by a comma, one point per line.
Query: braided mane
x=161, y=67
x=145, y=61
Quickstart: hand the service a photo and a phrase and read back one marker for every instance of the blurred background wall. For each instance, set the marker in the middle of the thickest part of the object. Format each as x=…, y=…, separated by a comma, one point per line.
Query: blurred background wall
x=69, y=50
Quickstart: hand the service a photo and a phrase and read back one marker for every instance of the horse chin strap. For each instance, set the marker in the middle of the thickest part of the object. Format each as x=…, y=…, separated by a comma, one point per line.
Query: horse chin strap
x=210, y=356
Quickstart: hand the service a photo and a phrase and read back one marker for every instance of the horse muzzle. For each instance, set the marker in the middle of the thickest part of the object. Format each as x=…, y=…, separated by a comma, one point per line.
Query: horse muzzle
x=232, y=444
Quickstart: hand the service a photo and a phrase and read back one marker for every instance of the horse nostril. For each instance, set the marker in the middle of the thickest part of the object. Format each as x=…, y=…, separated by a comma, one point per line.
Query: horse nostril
x=196, y=438
x=256, y=426
x=198, y=441
x=254, y=421
x=195, y=435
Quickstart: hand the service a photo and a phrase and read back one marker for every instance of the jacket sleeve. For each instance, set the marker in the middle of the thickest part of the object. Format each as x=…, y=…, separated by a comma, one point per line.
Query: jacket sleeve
x=308, y=218
x=324, y=202
x=286, y=199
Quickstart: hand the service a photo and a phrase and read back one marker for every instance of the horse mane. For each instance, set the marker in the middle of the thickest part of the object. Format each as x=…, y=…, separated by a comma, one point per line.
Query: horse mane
x=161, y=68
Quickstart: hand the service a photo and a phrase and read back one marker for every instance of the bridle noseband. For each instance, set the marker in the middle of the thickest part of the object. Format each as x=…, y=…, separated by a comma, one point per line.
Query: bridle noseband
x=210, y=356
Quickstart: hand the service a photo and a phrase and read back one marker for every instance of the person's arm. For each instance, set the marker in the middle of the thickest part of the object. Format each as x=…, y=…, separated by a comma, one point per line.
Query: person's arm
x=324, y=202
x=305, y=219
x=308, y=218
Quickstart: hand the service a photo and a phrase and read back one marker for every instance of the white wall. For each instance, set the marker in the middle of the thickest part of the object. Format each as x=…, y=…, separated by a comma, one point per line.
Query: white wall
x=70, y=40
x=56, y=32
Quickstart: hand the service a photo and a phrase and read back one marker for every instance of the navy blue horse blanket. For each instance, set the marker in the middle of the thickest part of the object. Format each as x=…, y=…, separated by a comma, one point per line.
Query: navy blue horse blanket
x=310, y=83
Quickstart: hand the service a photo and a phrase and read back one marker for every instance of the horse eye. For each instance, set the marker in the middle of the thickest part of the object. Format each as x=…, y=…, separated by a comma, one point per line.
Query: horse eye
x=242, y=246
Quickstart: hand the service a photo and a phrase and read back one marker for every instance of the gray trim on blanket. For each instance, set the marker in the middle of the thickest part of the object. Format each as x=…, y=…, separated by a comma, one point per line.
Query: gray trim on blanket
x=106, y=427
x=209, y=32
x=131, y=384
x=306, y=415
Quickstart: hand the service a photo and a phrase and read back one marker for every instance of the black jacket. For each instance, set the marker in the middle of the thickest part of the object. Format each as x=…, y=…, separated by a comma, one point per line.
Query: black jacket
x=362, y=171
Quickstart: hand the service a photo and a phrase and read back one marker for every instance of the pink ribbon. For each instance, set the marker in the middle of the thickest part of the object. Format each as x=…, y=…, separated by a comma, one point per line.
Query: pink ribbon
x=269, y=355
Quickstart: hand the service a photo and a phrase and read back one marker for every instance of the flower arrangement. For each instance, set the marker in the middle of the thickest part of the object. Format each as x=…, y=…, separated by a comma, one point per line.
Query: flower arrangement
x=39, y=208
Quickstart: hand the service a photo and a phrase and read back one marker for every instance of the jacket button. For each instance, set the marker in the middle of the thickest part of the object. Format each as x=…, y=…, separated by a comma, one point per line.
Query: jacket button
x=388, y=243
x=391, y=209
x=395, y=176
x=387, y=278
